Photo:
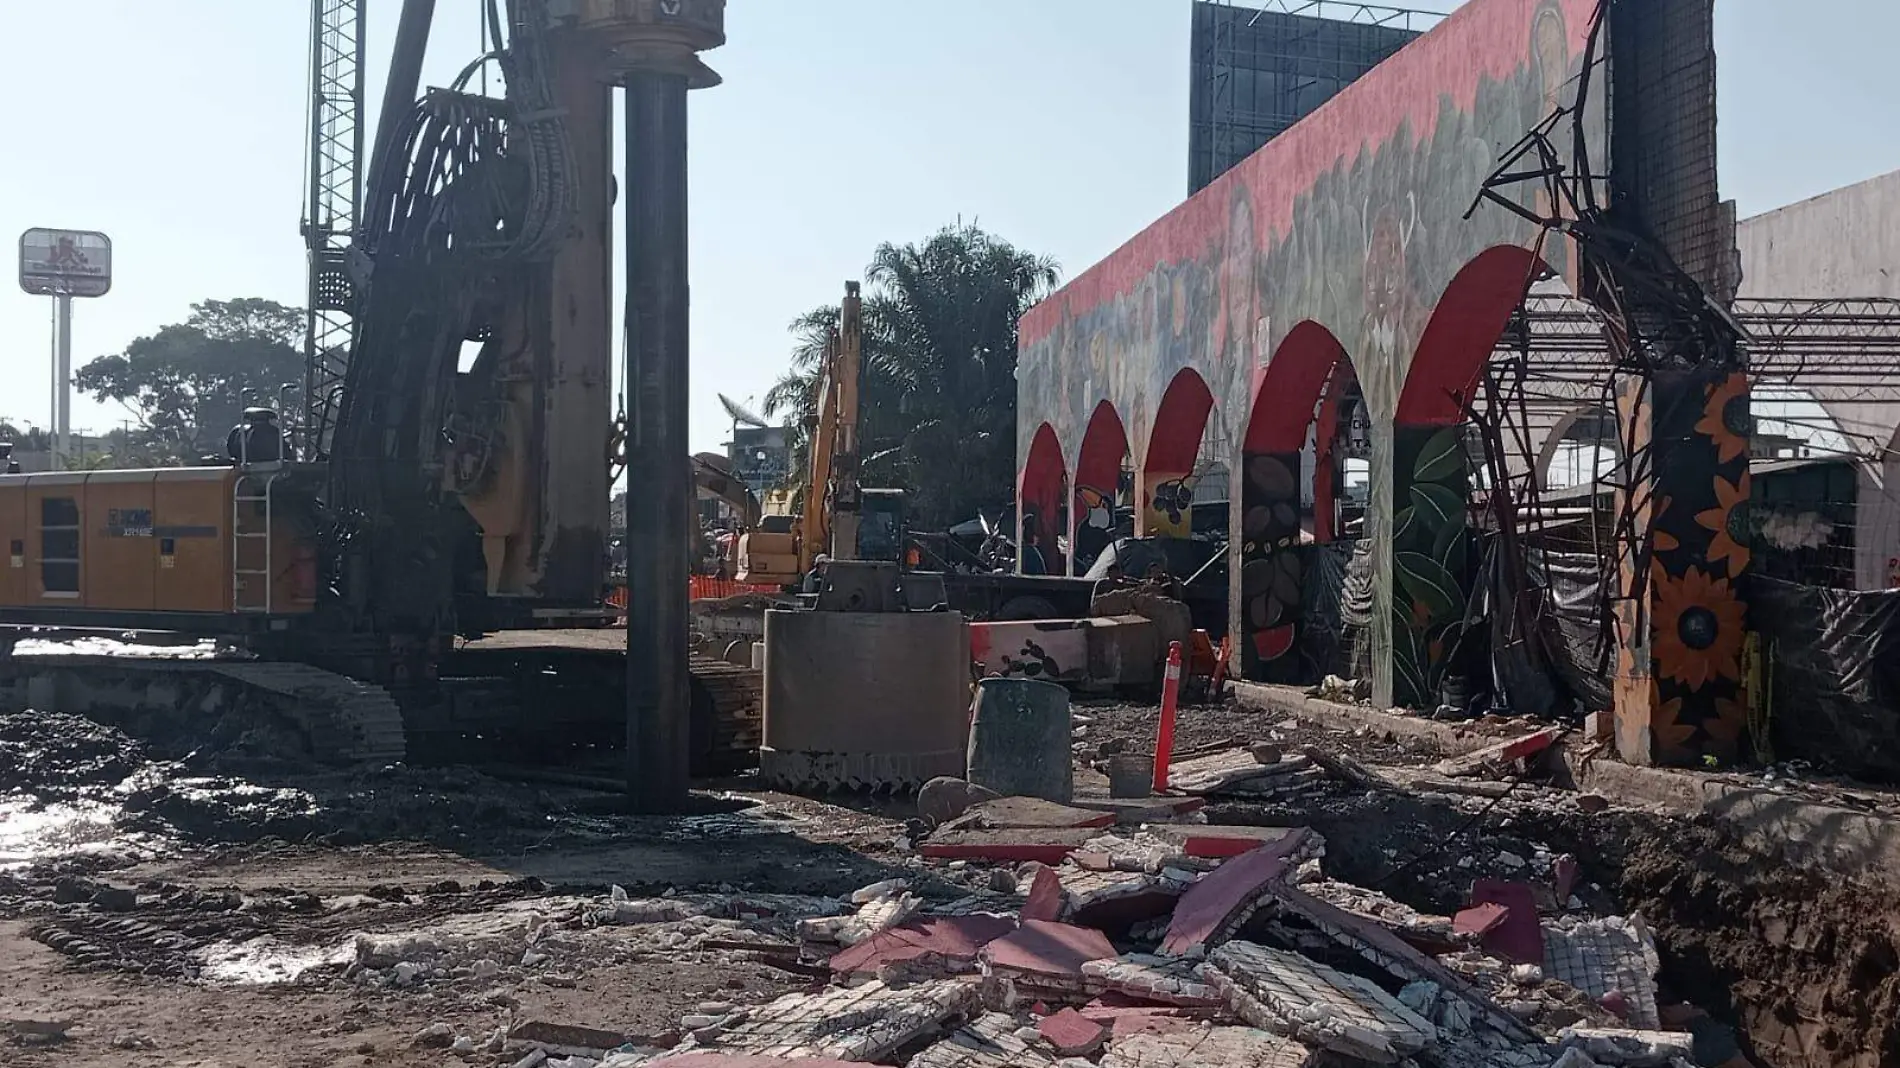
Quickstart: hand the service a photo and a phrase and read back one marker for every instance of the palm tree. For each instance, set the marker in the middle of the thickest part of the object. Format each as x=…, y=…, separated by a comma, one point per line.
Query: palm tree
x=938, y=408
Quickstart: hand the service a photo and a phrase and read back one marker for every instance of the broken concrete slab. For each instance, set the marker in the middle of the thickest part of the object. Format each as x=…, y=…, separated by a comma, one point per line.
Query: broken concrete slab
x=1479, y=920
x=947, y=945
x=1397, y=956
x=1027, y=813
x=1516, y=937
x=1012, y=846
x=1301, y=999
x=1134, y=811
x=1169, y=980
x=1615, y=954
x=1210, y=841
x=1429, y=932
x=1630, y=1047
x=747, y=1061
x=1204, y=1046
x=1236, y=771
x=1216, y=906
x=1046, y=899
x=1047, y=955
x=1115, y=900
x=863, y=1023
x=1072, y=1034
x=989, y=1041
x=1503, y=753
x=1123, y=1017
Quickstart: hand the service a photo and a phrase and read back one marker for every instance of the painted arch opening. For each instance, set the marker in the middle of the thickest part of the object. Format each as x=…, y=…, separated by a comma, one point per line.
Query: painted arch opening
x=1290, y=478
x=1098, y=488
x=1432, y=474
x=1176, y=460
x=1042, y=503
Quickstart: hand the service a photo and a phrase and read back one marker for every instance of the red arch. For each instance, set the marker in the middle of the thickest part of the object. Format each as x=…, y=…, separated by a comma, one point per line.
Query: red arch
x=1042, y=492
x=1463, y=332
x=1104, y=444
x=1098, y=476
x=1289, y=393
x=1175, y=441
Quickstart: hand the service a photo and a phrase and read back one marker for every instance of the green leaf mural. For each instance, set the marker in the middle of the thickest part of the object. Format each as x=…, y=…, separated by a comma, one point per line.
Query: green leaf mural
x=1428, y=583
x=1443, y=457
x=1438, y=506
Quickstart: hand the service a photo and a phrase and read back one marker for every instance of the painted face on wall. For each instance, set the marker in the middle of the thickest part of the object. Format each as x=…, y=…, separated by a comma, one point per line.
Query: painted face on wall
x=1237, y=278
x=1388, y=289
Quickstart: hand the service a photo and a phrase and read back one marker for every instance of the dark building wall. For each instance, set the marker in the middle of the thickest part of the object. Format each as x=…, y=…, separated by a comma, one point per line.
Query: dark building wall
x=1255, y=73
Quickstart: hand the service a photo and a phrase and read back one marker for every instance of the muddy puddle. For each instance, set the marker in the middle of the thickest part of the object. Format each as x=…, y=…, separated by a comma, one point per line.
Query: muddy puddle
x=268, y=961
x=33, y=831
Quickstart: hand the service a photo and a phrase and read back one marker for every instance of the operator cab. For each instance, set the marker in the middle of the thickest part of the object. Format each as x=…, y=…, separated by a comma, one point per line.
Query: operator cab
x=883, y=525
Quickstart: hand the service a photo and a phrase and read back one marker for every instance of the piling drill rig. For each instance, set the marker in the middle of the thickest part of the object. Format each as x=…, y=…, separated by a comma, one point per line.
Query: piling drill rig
x=417, y=503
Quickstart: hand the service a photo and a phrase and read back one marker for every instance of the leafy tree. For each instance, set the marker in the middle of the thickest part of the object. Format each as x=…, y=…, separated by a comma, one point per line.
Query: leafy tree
x=938, y=394
x=190, y=382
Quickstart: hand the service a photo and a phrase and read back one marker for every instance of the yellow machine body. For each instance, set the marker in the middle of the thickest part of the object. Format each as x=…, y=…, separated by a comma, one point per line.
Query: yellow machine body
x=175, y=541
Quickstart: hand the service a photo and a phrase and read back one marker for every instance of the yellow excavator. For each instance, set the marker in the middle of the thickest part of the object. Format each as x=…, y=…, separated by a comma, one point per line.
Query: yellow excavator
x=837, y=518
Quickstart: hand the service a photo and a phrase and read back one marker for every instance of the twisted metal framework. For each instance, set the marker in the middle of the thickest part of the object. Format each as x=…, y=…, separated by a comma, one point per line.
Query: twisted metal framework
x=333, y=191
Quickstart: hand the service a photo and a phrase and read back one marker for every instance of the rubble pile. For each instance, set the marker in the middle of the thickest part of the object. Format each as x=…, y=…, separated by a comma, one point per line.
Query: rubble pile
x=1176, y=942
x=1090, y=936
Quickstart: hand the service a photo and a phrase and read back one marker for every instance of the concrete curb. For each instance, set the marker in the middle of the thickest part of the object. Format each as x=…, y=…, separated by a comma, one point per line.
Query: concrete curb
x=1840, y=840
x=1444, y=737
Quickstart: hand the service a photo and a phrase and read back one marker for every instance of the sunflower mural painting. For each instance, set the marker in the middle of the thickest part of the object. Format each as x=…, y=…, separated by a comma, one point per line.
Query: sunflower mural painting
x=1271, y=566
x=1431, y=559
x=1681, y=698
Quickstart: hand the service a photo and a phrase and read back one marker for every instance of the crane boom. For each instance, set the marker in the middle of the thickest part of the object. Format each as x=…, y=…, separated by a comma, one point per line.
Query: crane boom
x=332, y=197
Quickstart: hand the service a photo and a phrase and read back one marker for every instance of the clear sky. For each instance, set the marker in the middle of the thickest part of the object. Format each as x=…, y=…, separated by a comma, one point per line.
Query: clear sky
x=178, y=128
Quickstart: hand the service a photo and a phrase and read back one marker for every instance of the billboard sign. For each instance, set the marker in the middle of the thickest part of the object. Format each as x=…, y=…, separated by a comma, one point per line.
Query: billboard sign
x=71, y=263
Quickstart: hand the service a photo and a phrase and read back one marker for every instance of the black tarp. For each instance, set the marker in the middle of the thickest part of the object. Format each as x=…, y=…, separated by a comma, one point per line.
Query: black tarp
x=1834, y=670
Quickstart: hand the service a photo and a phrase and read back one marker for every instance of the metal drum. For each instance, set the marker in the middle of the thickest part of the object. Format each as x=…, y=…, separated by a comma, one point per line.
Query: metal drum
x=1019, y=739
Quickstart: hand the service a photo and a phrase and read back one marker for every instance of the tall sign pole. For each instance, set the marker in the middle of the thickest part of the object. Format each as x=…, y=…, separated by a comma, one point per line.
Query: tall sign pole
x=64, y=264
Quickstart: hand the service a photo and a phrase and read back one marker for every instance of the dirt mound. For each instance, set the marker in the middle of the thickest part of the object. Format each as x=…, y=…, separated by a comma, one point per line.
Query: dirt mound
x=58, y=757
x=1805, y=962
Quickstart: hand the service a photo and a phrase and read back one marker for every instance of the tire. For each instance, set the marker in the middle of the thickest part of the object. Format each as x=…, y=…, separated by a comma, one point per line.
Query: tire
x=1024, y=608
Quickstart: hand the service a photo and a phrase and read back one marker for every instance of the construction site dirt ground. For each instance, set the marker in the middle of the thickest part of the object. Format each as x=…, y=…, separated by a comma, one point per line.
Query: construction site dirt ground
x=272, y=912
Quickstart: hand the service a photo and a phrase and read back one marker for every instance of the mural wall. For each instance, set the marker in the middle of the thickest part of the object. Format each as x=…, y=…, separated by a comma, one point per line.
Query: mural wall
x=1352, y=222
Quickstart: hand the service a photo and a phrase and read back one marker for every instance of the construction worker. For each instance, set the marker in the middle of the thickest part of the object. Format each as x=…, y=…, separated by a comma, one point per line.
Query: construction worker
x=815, y=579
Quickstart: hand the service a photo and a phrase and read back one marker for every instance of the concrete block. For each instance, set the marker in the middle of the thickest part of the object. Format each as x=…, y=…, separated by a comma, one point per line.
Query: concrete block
x=989, y=1041
x=1298, y=998
x=1204, y=1046
x=864, y=1023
